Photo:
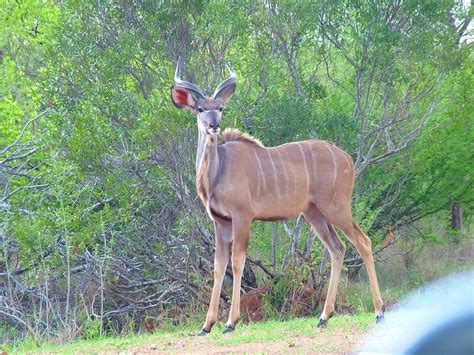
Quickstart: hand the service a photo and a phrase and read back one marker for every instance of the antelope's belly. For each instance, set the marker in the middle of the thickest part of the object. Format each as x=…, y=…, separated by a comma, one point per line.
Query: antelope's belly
x=274, y=207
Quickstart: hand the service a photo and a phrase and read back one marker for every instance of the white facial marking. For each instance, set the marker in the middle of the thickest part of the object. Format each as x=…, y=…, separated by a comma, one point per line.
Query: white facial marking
x=305, y=167
x=275, y=177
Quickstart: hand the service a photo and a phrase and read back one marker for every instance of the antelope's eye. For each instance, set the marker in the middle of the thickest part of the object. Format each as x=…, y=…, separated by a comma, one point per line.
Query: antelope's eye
x=221, y=109
x=200, y=109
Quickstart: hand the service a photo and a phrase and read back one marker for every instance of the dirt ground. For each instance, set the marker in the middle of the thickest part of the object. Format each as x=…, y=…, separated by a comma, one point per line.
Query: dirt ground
x=319, y=343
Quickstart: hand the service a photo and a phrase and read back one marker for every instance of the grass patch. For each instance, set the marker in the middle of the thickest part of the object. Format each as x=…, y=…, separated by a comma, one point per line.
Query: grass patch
x=276, y=330
x=268, y=331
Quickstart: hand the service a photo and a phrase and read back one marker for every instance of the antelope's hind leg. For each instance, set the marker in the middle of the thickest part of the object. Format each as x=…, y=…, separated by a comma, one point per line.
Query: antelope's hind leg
x=223, y=244
x=361, y=241
x=336, y=248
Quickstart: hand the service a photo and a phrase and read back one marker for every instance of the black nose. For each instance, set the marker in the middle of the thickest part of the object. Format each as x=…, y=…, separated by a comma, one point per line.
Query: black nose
x=214, y=125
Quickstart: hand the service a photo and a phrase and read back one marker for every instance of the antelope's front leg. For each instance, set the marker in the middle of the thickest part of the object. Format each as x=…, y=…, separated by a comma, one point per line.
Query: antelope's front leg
x=221, y=258
x=240, y=237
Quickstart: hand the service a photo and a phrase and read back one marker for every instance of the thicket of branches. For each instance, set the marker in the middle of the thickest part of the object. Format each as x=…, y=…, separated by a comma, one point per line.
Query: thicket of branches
x=100, y=225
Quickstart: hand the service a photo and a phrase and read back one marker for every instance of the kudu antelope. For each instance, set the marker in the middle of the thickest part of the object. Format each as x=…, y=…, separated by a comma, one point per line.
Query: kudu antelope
x=239, y=180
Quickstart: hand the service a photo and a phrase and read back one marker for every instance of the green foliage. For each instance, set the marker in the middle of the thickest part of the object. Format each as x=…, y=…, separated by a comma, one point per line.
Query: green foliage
x=91, y=328
x=284, y=119
x=24, y=34
x=104, y=211
x=432, y=174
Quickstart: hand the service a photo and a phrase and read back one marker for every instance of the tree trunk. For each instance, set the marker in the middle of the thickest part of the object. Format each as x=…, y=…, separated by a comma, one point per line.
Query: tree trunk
x=249, y=280
x=456, y=222
x=456, y=217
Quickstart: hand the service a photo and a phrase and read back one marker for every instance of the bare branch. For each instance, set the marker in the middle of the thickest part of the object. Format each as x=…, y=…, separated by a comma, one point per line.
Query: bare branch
x=7, y=148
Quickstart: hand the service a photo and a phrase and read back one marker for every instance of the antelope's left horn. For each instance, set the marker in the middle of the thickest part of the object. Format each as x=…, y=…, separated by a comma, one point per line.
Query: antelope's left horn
x=229, y=81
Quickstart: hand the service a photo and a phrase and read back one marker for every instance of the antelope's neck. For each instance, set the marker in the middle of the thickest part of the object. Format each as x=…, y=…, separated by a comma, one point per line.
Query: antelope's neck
x=200, y=150
x=207, y=165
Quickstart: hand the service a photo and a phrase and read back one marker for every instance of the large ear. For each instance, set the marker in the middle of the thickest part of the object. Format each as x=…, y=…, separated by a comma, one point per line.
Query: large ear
x=182, y=98
x=225, y=92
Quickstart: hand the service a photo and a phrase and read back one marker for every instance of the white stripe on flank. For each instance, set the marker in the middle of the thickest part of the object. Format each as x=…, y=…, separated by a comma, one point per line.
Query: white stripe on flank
x=313, y=161
x=334, y=162
x=314, y=165
x=305, y=167
x=348, y=164
x=283, y=165
x=292, y=173
x=259, y=174
x=275, y=177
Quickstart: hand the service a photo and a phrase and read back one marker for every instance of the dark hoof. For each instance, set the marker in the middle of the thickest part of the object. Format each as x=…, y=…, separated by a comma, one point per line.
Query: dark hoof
x=380, y=319
x=322, y=323
x=228, y=329
x=202, y=332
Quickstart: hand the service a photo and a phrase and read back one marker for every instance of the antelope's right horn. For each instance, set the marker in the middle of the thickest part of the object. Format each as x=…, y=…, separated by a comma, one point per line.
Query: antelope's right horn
x=186, y=84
